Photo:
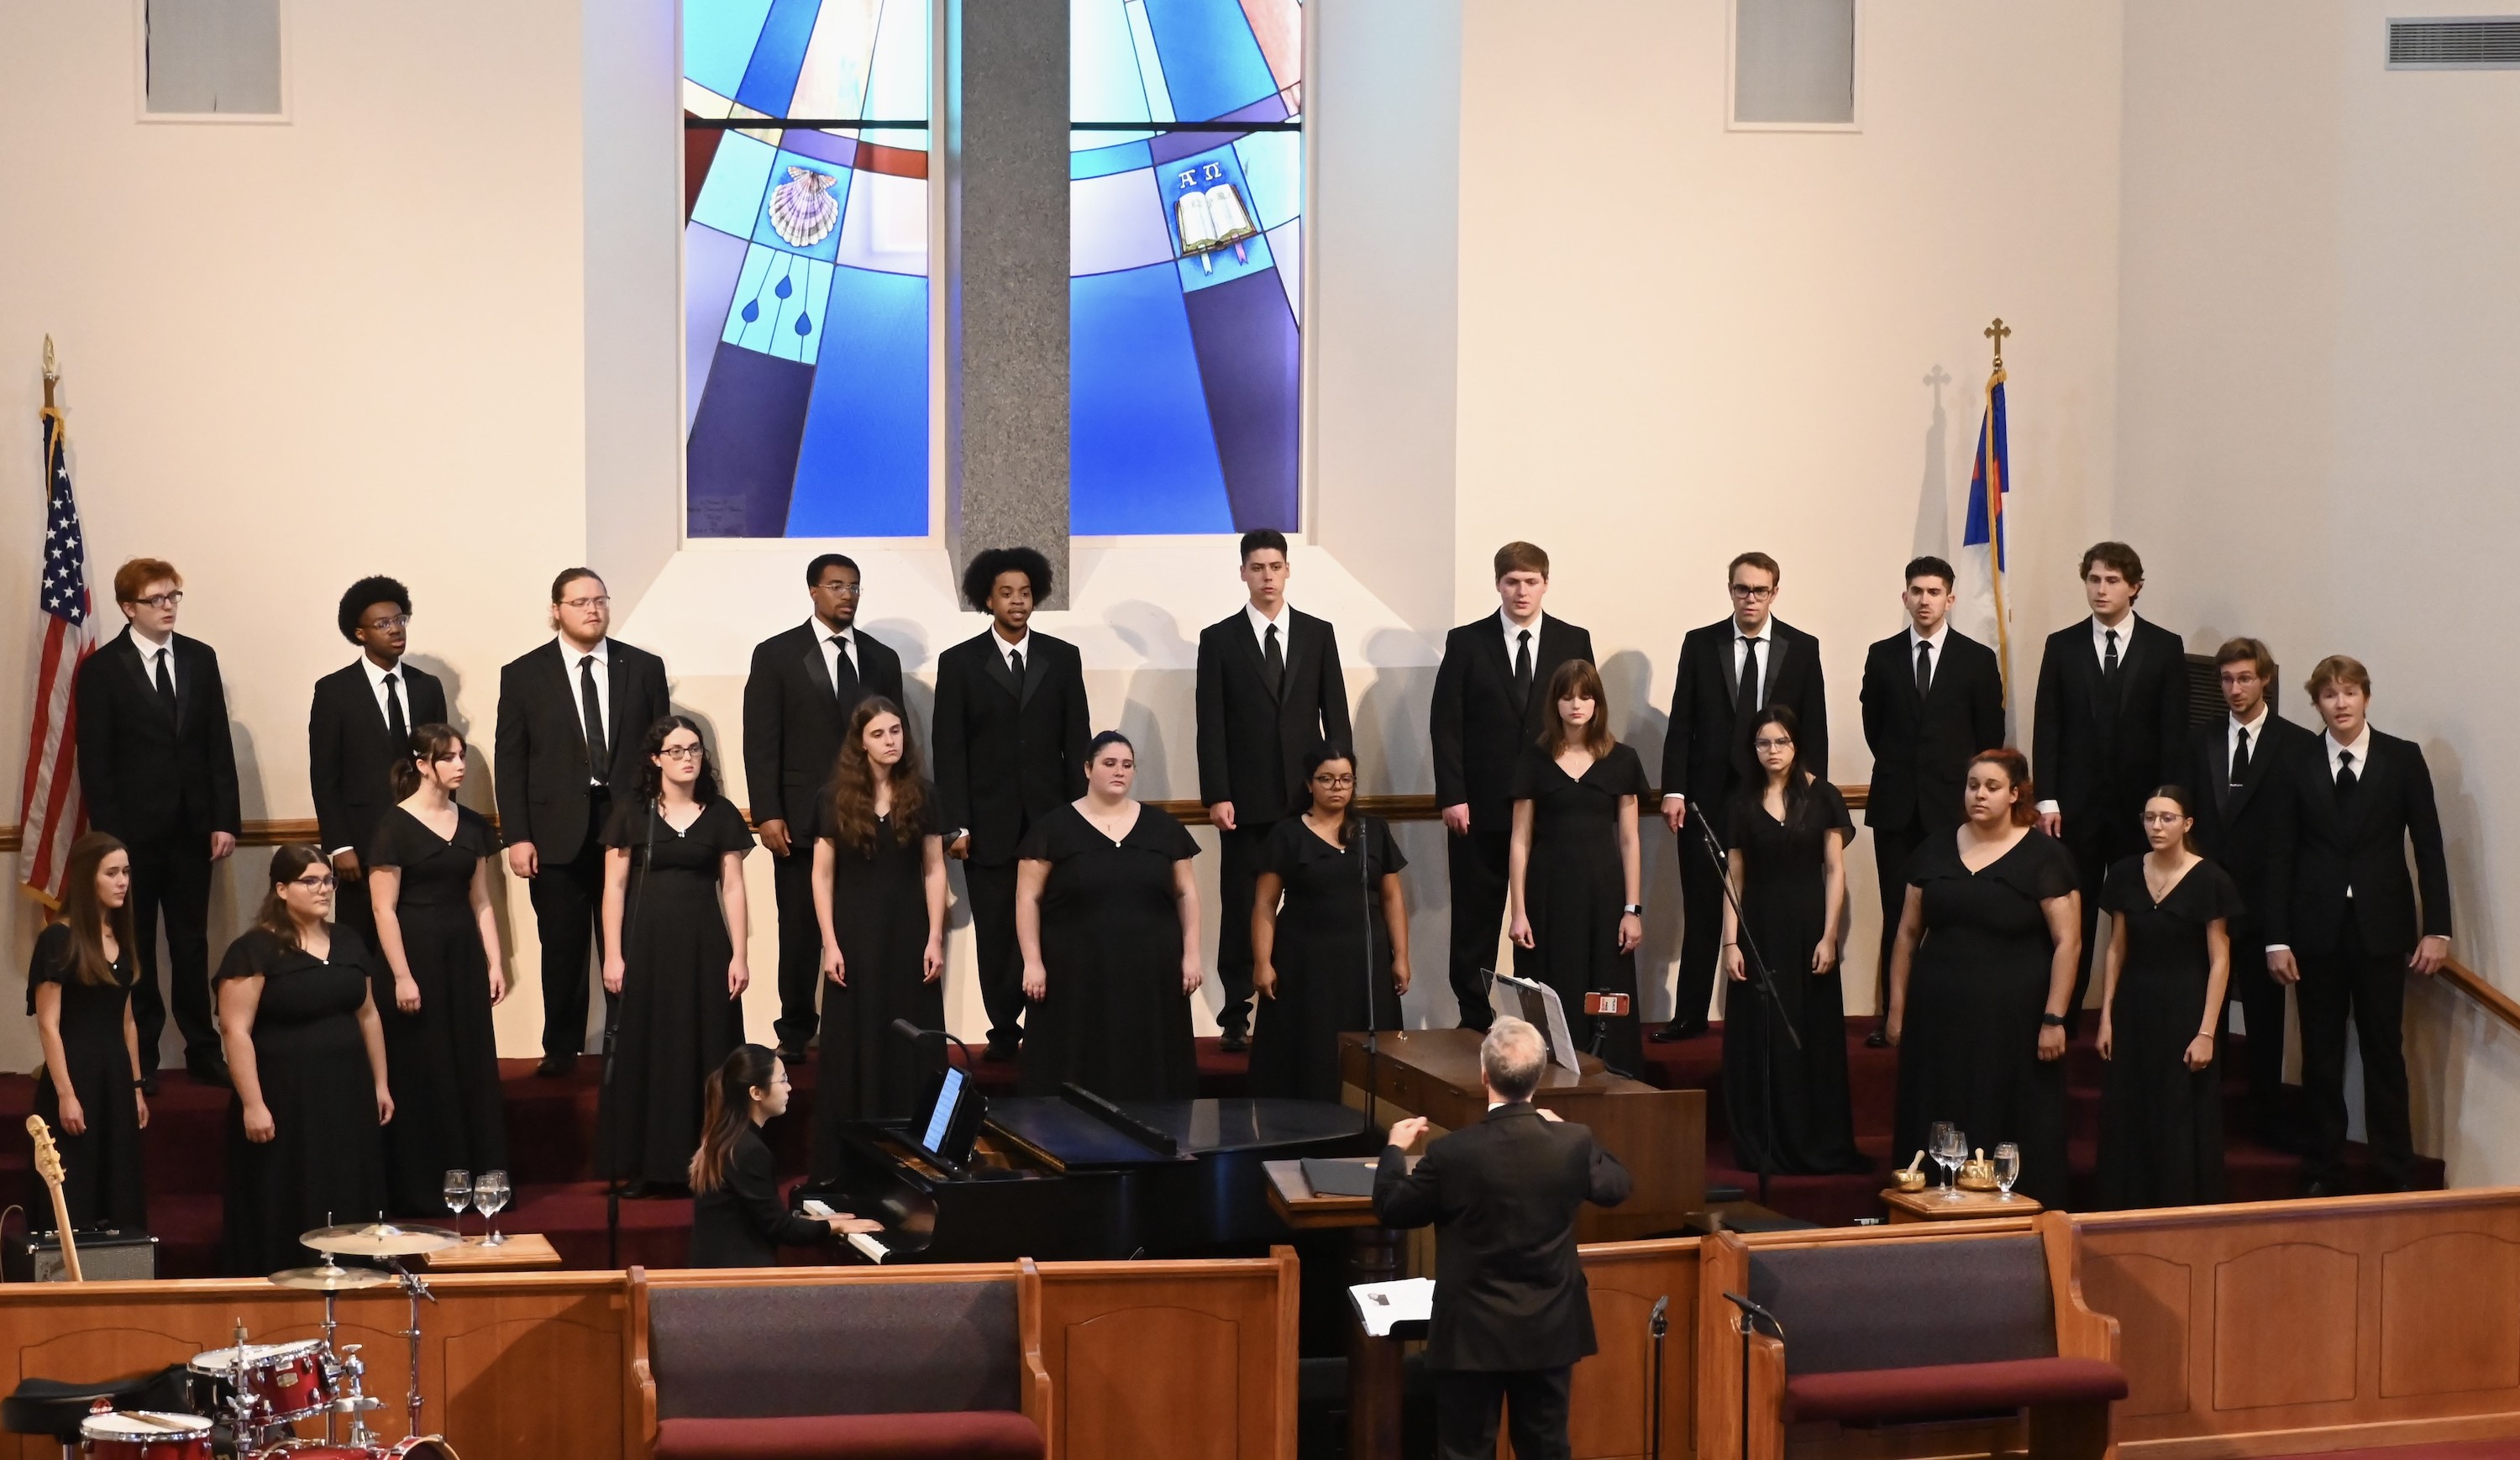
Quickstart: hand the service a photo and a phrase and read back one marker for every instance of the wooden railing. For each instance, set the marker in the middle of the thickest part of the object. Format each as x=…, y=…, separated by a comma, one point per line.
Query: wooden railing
x=2492, y=1001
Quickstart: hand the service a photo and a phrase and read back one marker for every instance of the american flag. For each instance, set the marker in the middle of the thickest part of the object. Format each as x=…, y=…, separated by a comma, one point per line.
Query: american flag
x=50, y=813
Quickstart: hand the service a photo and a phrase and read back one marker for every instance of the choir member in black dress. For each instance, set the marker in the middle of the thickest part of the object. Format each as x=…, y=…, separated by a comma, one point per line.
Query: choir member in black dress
x=674, y=931
x=78, y=989
x=1310, y=960
x=1788, y=1106
x=305, y=1145
x=879, y=895
x=737, y=1217
x=1988, y=944
x=1573, y=872
x=2161, y=1001
x=428, y=890
x=1106, y=913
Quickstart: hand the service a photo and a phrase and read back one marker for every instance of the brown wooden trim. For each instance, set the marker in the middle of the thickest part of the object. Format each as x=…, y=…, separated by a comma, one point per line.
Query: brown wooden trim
x=2468, y=982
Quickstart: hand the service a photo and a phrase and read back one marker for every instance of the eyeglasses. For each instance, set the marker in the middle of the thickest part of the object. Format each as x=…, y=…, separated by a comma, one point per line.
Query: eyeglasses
x=397, y=621
x=1334, y=781
x=682, y=752
x=2162, y=818
x=843, y=589
x=162, y=600
x=600, y=601
x=1764, y=743
x=1747, y=590
x=323, y=884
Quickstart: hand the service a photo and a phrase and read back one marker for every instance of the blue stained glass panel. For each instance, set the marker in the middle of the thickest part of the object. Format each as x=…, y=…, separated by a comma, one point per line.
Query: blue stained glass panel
x=1142, y=455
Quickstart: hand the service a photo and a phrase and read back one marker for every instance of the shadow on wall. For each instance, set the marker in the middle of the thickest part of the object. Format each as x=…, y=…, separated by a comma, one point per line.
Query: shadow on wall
x=1627, y=677
x=2448, y=1033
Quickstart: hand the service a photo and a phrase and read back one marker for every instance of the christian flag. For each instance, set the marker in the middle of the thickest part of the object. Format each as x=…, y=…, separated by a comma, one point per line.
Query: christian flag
x=1983, y=615
x=48, y=810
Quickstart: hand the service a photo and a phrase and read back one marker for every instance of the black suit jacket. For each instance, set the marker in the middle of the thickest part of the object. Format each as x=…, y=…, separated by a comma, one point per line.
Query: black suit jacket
x=1007, y=753
x=1475, y=728
x=542, y=773
x=2320, y=849
x=349, y=756
x=1704, y=754
x=1251, y=743
x=1921, y=746
x=143, y=774
x=2097, y=760
x=795, y=718
x=2237, y=825
x=1502, y=1194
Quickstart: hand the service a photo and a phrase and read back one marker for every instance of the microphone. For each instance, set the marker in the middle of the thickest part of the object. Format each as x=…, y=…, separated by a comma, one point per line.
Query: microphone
x=917, y=1036
x=1658, y=1322
x=1751, y=1312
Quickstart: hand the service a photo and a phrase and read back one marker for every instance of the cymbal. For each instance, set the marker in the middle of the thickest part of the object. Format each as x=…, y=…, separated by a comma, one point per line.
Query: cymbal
x=380, y=1240
x=330, y=1279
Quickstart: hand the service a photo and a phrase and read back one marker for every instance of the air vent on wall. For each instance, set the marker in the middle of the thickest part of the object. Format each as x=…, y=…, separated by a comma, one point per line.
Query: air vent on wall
x=2458, y=43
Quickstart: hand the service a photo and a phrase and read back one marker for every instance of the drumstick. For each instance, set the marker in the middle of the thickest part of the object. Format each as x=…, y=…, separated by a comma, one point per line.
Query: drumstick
x=145, y=1418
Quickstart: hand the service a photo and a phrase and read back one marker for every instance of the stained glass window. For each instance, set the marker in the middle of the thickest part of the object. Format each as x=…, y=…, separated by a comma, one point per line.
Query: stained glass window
x=1185, y=292
x=805, y=267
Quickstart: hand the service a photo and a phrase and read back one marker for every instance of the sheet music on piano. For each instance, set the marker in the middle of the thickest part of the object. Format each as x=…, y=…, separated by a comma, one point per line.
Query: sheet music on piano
x=1380, y=1306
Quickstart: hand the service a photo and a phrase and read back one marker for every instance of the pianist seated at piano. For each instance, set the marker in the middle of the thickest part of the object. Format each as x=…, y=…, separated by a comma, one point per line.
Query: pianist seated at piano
x=1106, y=912
x=737, y=1217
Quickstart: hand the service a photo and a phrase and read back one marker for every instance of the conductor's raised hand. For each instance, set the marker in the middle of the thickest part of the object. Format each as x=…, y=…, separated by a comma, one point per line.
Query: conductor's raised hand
x=1404, y=1133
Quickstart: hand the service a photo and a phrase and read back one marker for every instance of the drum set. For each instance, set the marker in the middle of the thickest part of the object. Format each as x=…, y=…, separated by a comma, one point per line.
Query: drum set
x=258, y=1393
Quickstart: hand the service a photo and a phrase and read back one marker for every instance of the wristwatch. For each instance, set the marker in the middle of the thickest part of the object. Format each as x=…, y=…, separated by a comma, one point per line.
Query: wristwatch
x=1633, y=909
x=2052, y=1020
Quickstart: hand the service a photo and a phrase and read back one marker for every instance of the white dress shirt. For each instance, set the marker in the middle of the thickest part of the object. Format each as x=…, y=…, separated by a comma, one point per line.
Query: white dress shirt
x=2233, y=729
x=570, y=655
x=1008, y=652
x=1514, y=633
x=1260, y=623
x=1935, y=641
x=149, y=649
x=377, y=688
x=824, y=634
x=1766, y=635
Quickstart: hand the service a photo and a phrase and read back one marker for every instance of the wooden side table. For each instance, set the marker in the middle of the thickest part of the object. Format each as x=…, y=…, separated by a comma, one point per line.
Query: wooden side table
x=521, y=1252
x=1932, y=1204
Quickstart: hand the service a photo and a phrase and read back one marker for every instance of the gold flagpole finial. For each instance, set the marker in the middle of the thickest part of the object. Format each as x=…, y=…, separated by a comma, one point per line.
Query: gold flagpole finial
x=1997, y=333
x=51, y=371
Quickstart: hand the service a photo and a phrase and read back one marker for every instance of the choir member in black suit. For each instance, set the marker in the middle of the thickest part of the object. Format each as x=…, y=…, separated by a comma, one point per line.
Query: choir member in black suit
x=737, y=1217
x=1987, y=949
x=2161, y=1004
x=2237, y=762
x=1010, y=743
x=674, y=937
x=1489, y=699
x=1512, y=1313
x=1107, y=910
x=571, y=717
x=1729, y=671
x=1575, y=869
x=2112, y=723
x=880, y=902
x=1336, y=957
x=358, y=729
x=2342, y=921
x=1269, y=690
x=1933, y=697
x=158, y=770
x=804, y=685
x=78, y=989
x=437, y=941
x=304, y=1142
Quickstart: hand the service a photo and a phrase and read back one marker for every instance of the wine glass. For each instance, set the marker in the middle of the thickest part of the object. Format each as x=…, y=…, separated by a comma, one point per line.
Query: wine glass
x=1938, y=1143
x=1951, y=1153
x=2007, y=1168
x=489, y=1194
x=458, y=1195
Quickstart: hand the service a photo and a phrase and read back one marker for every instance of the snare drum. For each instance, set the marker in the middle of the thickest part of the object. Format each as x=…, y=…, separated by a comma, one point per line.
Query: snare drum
x=146, y=1435
x=418, y=1447
x=284, y=1381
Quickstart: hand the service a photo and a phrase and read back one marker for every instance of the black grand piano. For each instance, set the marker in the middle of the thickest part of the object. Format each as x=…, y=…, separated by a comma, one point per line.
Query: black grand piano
x=1075, y=1177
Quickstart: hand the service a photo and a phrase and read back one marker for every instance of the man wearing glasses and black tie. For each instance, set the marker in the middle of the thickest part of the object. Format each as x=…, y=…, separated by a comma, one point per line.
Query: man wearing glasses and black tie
x=571, y=716
x=357, y=727
x=158, y=768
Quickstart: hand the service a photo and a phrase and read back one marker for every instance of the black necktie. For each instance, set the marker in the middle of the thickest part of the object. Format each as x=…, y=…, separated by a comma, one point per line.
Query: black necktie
x=1273, y=663
x=1745, y=702
x=1924, y=668
x=2345, y=780
x=593, y=711
x=2241, y=759
x=844, y=675
x=1014, y=665
x=2109, y=659
x=166, y=683
x=1522, y=668
x=397, y=729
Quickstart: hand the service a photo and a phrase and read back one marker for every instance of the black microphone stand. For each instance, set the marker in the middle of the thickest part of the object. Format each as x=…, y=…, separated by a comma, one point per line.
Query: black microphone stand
x=1354, y=825
x=1657, y=1324
x=918, y=1036
x=1760, y=976
x=1751, y=1313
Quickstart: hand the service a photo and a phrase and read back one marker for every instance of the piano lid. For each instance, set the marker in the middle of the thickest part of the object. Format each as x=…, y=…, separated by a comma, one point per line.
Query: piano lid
x=1073, y=1136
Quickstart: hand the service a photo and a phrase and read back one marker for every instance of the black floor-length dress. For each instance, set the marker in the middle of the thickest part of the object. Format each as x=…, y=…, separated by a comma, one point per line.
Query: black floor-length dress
x=325, y=1163
x=102, y=1179
x=1969, y=1050
x=442, y=1060
x=1785, y=895
x=2161, y=1124
x=1573, y=887
x=880, y=915
x=678, y=1022
x=1332, y=911
x=1115, y=1019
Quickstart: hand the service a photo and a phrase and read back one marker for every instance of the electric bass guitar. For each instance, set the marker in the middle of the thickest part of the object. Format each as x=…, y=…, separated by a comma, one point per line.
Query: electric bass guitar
x=48, y=1164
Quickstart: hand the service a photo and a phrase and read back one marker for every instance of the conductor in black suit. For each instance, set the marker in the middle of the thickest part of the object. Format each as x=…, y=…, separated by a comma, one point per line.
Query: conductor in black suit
x=357, y=727
x=157, y=769
x=1489, y=694
x=1729, y=671
x=2235, y=767
x=2112, y=725
x=2342, y=918
x=1512, y=1313
x=804, y=684
x=1009, y=736
x=1933, y=697
x=1269, y=688
x=572, y=714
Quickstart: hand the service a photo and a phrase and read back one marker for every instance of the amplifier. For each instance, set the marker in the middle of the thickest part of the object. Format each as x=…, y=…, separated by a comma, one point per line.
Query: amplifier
x=110, y=1255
